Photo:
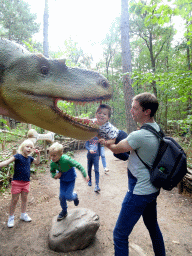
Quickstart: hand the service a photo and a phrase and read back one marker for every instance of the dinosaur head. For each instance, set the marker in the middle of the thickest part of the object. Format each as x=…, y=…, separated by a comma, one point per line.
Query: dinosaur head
x=31, y=86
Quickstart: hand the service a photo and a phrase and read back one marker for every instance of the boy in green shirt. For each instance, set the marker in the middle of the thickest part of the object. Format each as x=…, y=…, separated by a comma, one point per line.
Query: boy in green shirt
x=62, y=167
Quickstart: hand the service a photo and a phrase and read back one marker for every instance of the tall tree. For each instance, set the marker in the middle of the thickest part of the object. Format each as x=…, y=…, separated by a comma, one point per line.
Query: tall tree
x=111, y=45
x=153, y=35
x=126, y=64
x=17, y=23
x=45, y=30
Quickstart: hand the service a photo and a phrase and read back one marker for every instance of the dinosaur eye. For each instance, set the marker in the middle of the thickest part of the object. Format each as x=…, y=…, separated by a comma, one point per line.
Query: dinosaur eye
x=44, y=70
x=104, y=83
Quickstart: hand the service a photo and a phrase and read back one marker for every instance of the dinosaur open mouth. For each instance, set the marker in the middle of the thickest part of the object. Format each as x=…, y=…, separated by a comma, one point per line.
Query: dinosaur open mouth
x=83, y=122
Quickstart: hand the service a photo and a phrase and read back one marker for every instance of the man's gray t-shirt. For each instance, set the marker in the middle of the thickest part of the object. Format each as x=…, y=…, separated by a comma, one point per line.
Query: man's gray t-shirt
x=146, y=145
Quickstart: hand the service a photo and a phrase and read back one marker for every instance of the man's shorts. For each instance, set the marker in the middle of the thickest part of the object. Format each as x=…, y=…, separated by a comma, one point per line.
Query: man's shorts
x=17, y=186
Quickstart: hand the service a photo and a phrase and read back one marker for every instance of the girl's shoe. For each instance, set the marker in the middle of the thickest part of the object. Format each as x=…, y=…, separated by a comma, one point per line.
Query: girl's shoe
x=89, y=183
x=106, y=170
x=10, y=222
x=25, y=217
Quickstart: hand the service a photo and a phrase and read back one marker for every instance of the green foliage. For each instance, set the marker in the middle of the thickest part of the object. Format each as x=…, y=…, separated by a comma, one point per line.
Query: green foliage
x=66, y=106
x=33, y=46
x=16, y=20
x=77, y=110
x=3, y=123
x=35, y=169
x=185, y=9
x=150, y=38
x=174, y=91
x=70, y=153
x=14, y=134
x=5, y=173
x=74, y=55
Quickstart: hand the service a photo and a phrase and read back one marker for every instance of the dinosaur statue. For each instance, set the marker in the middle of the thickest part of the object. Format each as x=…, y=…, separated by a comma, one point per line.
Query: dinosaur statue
x=31, y=85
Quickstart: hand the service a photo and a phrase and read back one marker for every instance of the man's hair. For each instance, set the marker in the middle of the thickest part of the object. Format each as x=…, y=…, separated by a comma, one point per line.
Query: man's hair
x=147, y=101
x=105, y=106
x=25, y=143
x=57, y=148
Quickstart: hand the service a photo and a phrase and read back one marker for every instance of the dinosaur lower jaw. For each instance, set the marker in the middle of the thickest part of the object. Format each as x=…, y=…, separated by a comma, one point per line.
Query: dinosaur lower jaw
x=81, y=122
x=52, y=103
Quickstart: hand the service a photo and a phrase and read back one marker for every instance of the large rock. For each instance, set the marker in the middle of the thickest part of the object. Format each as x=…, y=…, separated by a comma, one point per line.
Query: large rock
x=75, y=232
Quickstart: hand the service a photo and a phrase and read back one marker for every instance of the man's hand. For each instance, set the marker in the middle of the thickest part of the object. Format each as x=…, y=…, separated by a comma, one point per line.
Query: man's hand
x=102, y=141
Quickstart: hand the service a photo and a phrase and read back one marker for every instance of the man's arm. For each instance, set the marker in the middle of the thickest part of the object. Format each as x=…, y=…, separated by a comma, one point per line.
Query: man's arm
x=122, y=147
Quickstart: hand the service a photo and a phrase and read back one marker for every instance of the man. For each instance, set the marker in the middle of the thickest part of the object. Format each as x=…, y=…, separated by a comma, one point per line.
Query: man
x=141, y=197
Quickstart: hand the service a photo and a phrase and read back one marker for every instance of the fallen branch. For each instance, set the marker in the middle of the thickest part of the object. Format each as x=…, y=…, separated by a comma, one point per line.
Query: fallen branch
x=4, y=131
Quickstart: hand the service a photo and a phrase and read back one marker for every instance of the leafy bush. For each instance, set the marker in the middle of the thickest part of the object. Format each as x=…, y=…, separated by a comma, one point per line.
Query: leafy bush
x=6, y=173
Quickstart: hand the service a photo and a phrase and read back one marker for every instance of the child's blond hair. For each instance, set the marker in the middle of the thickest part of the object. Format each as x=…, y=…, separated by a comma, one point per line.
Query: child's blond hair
x=23, y=144
x=57, y=148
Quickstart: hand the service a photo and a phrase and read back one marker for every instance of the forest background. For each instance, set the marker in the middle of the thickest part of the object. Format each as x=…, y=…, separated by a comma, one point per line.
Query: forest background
x=159, y=64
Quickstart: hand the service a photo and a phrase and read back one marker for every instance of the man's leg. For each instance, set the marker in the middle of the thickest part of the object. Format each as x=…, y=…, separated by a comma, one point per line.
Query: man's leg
x=150, y=220
x=132, y=208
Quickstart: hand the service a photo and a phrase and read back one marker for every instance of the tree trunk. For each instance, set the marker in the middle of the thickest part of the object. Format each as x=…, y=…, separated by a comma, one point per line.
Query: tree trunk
x=126, y=64
x=45, y=30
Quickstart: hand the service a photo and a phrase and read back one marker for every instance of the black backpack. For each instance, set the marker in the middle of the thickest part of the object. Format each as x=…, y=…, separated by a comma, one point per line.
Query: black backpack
x=170, y=164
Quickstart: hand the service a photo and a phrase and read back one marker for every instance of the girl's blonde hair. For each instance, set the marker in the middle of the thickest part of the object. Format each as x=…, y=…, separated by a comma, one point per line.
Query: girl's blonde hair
x=57, y=148
x=23, y=144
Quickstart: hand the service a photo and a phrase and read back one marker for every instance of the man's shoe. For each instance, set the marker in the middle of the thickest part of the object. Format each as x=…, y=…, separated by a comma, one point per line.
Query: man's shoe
x=97, y=189
x=61, y=216
x=10, y=222
x=25, y=217
x=76, y=201
x=89, y=183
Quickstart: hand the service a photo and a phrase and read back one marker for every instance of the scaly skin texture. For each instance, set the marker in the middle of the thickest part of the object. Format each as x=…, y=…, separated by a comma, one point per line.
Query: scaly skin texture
x=31, y=85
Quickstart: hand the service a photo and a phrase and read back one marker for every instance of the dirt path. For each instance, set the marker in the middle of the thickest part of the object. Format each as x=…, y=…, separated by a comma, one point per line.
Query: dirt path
x=31, y=239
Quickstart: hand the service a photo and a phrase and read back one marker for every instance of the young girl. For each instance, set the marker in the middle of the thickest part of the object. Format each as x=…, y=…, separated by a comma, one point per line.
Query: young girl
x=93, y=148
x=21, y=179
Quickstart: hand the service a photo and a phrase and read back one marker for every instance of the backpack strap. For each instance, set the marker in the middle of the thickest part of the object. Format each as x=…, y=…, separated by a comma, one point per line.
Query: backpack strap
x=159, y=135
x=148, y=167
x=148, y=127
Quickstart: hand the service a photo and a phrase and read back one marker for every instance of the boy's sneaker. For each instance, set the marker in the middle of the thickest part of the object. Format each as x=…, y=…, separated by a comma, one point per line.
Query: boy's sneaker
x=89, y=183
x=106, y=170
x=25, y=217
x=97, y=189
x=10, y=222
x=62, y=215
x=76, y=201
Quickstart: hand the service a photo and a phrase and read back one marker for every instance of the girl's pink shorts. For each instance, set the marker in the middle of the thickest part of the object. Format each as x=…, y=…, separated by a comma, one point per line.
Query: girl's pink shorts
x=17, y=186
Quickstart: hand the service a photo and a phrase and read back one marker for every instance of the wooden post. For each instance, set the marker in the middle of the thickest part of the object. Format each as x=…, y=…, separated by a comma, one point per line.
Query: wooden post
x=3, y=145
x=45, y=146
x=180, y=187
x=14, y=151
